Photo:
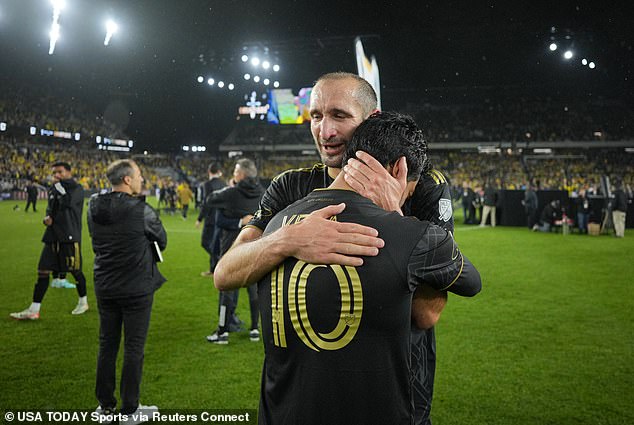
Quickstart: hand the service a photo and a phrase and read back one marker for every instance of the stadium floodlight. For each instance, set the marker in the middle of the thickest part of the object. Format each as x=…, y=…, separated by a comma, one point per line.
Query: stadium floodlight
x=266, y=64
x=247, y=76
x=584, y=61
x=221, y=84
x=54, y=36
x=211, y=81
x=3, y=126
x=186, y=148
x=591, y=65
x=244, y=58
x=111, y=28
x=58, y=4
x=553, y=47
x=231, y=86
x=276, y=67
x=276, y=84
x=256, y=78
x=568, y=55
x=200, y=79
x=266, y=81
x=255, y=61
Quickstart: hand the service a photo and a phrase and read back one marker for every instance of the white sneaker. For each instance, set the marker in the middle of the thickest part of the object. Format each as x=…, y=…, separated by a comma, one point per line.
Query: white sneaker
x=80, y=309
x=26, y=315
x=140, y=415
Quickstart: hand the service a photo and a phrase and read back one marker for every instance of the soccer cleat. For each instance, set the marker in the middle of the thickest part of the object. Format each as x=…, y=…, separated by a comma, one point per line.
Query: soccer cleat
x=140, y=415
x=26, y=315
x=80, y=309
x=254, y=335
x=216, y=338
x=106, y=416
x=67, y=284
x=56, y=283
x=207, y=274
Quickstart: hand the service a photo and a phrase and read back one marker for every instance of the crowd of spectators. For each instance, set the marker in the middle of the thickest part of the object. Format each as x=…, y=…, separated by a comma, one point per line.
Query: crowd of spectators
x=25, y=107
x=483, y=115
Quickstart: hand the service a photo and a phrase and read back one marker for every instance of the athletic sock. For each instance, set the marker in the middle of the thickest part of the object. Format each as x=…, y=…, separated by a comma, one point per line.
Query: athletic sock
x=35, y=307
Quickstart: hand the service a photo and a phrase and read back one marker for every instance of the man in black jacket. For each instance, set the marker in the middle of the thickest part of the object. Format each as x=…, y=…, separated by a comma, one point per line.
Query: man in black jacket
x=62, y=241
x=31, y=196
x=124, y=232
x=209, y=238
x=237, y=202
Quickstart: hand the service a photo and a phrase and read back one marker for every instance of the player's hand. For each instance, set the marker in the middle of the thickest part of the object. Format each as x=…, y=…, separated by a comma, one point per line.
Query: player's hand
x=319, y=240
x=48, y=220
x=197, y=224
x=370, y=179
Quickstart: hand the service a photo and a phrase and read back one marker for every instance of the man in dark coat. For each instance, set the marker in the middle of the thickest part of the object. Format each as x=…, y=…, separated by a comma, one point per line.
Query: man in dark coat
x=126, y=237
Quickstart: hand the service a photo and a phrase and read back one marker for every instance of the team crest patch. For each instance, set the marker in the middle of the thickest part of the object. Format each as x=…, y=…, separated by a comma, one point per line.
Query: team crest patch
x=349, y=318
x=445, y=209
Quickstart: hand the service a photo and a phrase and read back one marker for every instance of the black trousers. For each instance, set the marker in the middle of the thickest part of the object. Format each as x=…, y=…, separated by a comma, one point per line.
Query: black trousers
x=134, y=315
x=210, y=241
x=30, y=201
x=228, y=303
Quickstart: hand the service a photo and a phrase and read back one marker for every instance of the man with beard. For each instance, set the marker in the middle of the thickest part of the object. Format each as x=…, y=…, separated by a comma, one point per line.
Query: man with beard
x=339, y=103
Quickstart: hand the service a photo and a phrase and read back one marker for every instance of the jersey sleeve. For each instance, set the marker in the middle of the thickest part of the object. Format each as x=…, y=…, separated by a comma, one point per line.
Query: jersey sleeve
x=432, y=200
x=437, y=261
x=275, y=199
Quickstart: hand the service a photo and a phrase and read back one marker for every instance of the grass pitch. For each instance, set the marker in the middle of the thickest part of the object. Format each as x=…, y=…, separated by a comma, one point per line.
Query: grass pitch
x=549, y=340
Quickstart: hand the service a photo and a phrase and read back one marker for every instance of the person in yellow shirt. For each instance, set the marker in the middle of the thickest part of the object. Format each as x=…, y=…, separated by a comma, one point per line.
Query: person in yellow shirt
x=185, y=196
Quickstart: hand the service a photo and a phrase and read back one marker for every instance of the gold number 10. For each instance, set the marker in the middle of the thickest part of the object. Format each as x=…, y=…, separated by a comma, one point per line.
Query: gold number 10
x=349, y=316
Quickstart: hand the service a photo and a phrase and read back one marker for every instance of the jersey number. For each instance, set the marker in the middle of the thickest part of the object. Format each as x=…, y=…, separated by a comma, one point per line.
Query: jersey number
x=349, y=315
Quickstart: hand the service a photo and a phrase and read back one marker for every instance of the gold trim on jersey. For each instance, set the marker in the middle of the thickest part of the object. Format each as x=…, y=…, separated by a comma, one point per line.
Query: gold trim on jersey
x=317, y=166
x=438, y=177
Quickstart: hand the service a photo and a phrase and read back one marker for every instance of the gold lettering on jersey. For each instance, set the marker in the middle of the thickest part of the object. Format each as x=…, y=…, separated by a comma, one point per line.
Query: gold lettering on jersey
x=277, y=306
x=296, y=218
x=350, y=311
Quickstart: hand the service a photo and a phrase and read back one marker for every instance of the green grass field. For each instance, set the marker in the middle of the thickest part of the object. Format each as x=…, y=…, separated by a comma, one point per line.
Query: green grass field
x=549, y=340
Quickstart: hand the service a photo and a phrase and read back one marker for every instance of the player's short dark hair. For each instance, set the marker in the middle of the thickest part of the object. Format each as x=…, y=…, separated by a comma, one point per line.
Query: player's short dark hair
x=214, y=167
x=387, y=136
x=118, y=170
x=66, y=165
x=364, y=92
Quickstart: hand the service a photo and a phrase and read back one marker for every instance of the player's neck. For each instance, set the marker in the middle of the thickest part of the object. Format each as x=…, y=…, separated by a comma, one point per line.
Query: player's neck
x=340, y=183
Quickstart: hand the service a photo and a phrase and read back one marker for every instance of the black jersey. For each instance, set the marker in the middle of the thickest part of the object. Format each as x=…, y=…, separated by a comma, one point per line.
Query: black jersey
x=65, y=206
x=337, y=338
x=287, y=188
x=431, y=201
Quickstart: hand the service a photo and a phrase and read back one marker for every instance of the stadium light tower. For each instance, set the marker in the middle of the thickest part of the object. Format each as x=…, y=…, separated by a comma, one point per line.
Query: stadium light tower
x=111, y=28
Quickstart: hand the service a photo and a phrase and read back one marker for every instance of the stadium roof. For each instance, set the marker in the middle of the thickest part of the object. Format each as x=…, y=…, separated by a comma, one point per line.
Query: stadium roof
x=152, y=62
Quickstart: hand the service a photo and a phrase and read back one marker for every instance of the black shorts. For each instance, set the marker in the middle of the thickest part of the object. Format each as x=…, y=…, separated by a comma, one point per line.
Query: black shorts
x=60, y=257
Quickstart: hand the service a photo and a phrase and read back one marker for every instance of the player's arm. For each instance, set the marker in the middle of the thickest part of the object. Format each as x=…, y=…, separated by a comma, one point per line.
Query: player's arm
x=427, y=304
x=153, y=227
x=316, y=239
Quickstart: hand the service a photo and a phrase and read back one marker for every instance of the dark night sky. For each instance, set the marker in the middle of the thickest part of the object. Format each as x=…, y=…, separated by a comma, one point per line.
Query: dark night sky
x=152, y=63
